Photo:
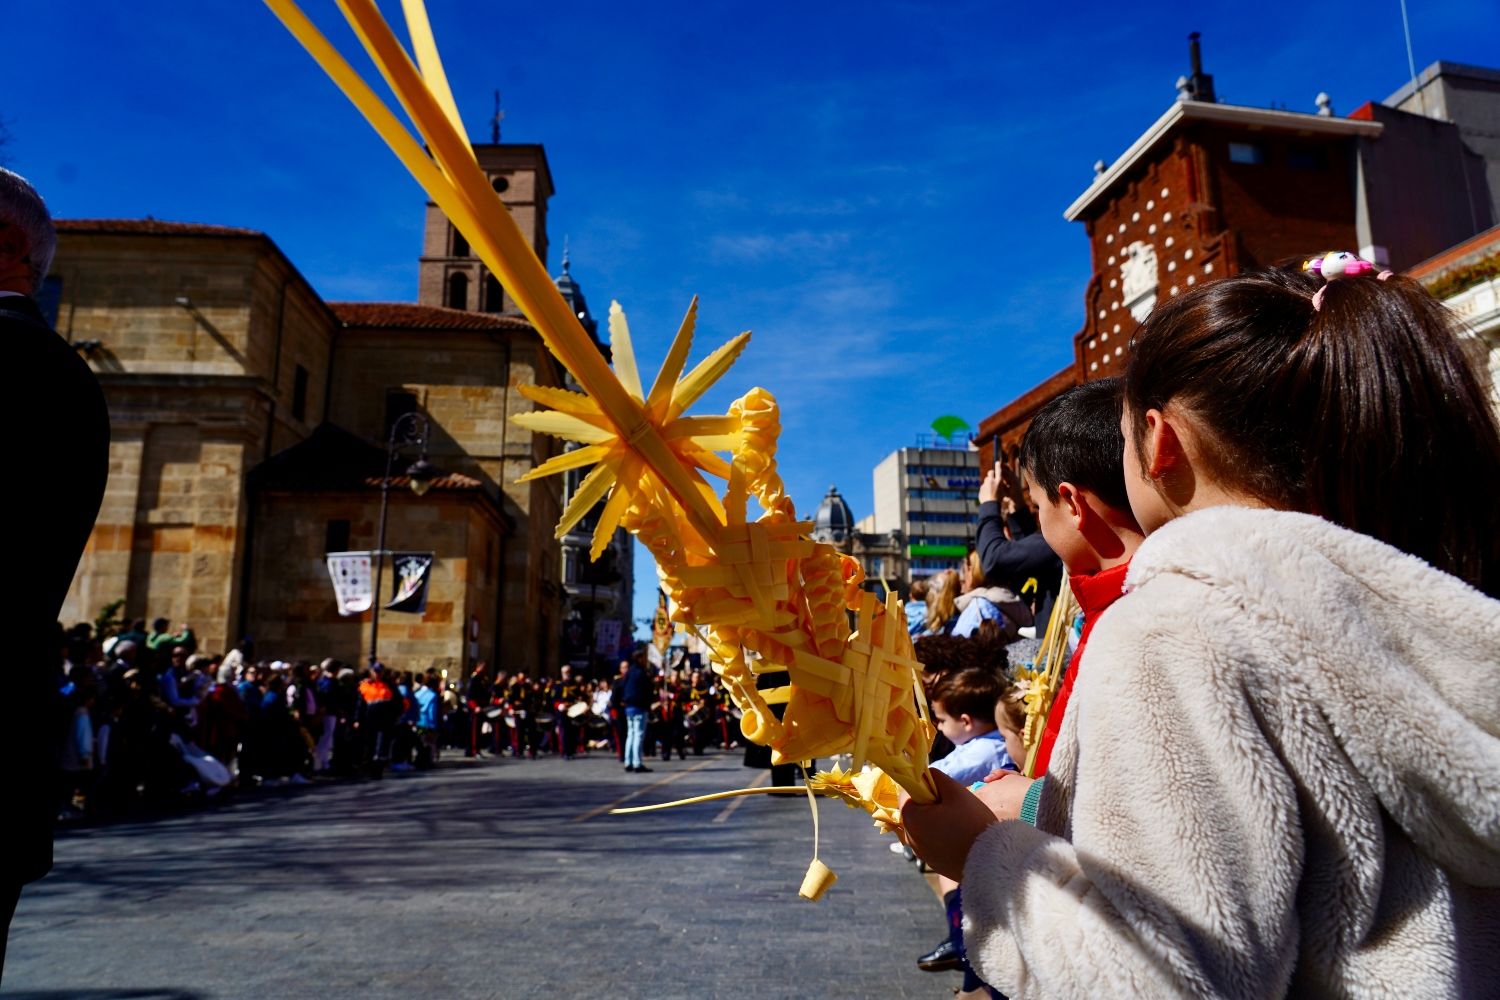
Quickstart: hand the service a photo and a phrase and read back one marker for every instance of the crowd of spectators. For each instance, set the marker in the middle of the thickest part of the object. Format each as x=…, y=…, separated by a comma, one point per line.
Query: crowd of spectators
x=149, y=720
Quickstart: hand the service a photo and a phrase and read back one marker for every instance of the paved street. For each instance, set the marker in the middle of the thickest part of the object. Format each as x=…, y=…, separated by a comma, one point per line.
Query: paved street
x=495, y=879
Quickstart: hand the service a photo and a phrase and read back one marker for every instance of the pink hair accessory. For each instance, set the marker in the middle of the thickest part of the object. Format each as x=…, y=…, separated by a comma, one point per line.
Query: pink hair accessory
x=1338, y=264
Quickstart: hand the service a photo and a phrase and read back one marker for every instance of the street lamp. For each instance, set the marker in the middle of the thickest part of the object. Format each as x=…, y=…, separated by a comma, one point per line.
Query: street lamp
x=409, y=428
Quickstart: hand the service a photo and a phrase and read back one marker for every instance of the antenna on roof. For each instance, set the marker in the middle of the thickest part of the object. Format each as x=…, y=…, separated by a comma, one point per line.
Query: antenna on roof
x=1411, y=62
x=495, y=121
x=1200, y=84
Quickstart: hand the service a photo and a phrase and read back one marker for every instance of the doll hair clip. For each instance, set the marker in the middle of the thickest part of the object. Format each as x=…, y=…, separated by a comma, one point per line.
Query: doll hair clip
x=1338, y=264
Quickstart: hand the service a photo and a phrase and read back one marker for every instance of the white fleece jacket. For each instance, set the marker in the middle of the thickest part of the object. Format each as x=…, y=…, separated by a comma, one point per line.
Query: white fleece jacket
x=1279, y=774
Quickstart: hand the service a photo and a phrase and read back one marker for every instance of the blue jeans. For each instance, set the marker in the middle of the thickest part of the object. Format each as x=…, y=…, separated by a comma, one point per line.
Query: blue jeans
x=635, y=735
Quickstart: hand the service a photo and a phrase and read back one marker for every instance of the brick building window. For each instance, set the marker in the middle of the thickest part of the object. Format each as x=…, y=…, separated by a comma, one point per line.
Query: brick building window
x=1246, y=152
x=336, y=537
x=460, y=245
x=299, y=394
x=494, y=296
x=458, y=291
x=1307, y=158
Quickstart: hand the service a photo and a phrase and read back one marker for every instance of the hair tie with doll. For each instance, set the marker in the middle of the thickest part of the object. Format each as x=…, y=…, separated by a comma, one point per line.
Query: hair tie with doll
x=1337, y=264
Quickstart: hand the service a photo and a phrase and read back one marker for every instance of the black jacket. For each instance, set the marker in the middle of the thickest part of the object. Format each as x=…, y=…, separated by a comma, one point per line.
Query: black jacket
x=636, y=688
x=66, y=430
x=1010, y=562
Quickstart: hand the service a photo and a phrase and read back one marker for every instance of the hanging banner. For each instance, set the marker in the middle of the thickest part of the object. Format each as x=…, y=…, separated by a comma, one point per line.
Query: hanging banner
x=661, y=625
x=607, y=636
x=350, y=572
x=412, y=570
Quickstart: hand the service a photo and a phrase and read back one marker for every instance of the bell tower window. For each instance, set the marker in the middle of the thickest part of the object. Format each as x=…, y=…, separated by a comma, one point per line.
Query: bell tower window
x=458, y=291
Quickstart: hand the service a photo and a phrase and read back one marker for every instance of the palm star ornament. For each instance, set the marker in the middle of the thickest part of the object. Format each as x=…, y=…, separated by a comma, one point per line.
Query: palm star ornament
x=772, y=605
x=619, y=471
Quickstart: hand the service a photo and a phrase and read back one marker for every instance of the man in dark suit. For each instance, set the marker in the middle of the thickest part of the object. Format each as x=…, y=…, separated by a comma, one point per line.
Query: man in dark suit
x=59, y=476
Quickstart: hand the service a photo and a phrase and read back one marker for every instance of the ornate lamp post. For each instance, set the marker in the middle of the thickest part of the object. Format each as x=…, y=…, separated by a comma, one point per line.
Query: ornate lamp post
x=410, y=428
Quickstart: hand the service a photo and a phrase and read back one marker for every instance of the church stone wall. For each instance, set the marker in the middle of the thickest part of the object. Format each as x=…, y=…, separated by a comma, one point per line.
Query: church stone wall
x=464, y=381
x=297, y=617
x=193, y=406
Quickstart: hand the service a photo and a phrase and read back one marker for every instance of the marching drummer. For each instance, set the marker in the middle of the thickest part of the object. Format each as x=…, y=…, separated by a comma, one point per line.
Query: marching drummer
x=521, y=707
x=700, y=713
x=476, y=700
x=562, y=695
x=673, y=716
x=497, y=711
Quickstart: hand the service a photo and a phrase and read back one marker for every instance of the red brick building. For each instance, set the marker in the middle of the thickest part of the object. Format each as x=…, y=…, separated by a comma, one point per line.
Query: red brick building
x=1211, y=189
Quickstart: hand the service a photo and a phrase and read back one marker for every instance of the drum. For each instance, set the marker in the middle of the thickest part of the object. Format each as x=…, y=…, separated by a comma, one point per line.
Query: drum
x=545, y=718
x=578, y=710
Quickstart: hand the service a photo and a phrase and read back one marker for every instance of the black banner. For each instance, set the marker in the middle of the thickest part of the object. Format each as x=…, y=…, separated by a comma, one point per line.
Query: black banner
x=412, y=571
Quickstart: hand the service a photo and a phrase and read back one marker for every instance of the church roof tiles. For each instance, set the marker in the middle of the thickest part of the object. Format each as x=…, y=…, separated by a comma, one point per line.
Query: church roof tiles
x=410, y=316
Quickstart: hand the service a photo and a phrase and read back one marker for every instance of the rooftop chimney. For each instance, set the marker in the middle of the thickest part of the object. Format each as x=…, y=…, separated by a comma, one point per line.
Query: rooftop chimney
x=1200, y=84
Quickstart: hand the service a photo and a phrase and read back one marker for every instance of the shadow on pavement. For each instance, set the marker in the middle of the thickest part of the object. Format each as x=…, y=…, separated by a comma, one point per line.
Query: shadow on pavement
x=141, y=994
x=343, y=836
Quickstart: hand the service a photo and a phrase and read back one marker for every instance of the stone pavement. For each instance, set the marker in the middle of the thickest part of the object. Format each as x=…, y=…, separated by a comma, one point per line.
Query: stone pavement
x=482, y=879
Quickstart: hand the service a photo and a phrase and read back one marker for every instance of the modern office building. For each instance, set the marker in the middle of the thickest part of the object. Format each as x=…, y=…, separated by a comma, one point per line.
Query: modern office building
x=930, y=494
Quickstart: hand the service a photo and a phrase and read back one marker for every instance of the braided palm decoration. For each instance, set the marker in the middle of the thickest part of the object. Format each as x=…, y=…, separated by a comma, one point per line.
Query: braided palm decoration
x=769, y=599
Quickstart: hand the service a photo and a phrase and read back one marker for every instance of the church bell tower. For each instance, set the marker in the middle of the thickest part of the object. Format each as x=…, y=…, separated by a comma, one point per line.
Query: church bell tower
x=450, y=273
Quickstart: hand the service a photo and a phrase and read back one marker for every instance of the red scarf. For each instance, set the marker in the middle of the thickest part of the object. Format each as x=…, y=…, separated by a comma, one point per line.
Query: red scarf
x=1095, y=593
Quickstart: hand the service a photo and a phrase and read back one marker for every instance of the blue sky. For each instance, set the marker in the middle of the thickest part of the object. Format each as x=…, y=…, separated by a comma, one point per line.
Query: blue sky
x=875, y=189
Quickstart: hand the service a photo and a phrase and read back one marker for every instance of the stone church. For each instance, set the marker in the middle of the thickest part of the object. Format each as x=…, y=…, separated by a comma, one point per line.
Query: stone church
x=250, y=422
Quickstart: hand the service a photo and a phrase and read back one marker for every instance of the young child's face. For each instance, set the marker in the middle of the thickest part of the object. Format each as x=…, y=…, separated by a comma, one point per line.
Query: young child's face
x=1060, y=529
x=960, y=729
x=1014, y=744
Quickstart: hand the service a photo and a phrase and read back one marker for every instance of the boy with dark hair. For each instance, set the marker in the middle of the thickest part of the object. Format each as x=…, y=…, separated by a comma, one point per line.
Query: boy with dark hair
x=1072, y=459
x=963, y=709
x=1072, y=463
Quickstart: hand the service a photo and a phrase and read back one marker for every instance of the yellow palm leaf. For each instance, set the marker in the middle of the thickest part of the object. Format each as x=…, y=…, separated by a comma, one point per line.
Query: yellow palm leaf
x=590, y=492
x=661, y=389
x=707, y=461
x=575, y=459
x=431, y=65
x=621, y=350
x=705, y=374
x=614, y=509
x=563, y=425
x=710, y=426
x=575, y=403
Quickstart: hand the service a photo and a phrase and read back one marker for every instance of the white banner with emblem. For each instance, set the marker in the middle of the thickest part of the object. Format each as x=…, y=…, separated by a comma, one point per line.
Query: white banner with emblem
x=350, y=572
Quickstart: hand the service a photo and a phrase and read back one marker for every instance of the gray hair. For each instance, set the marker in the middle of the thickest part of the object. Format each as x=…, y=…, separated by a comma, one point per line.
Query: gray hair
x=21, y=206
